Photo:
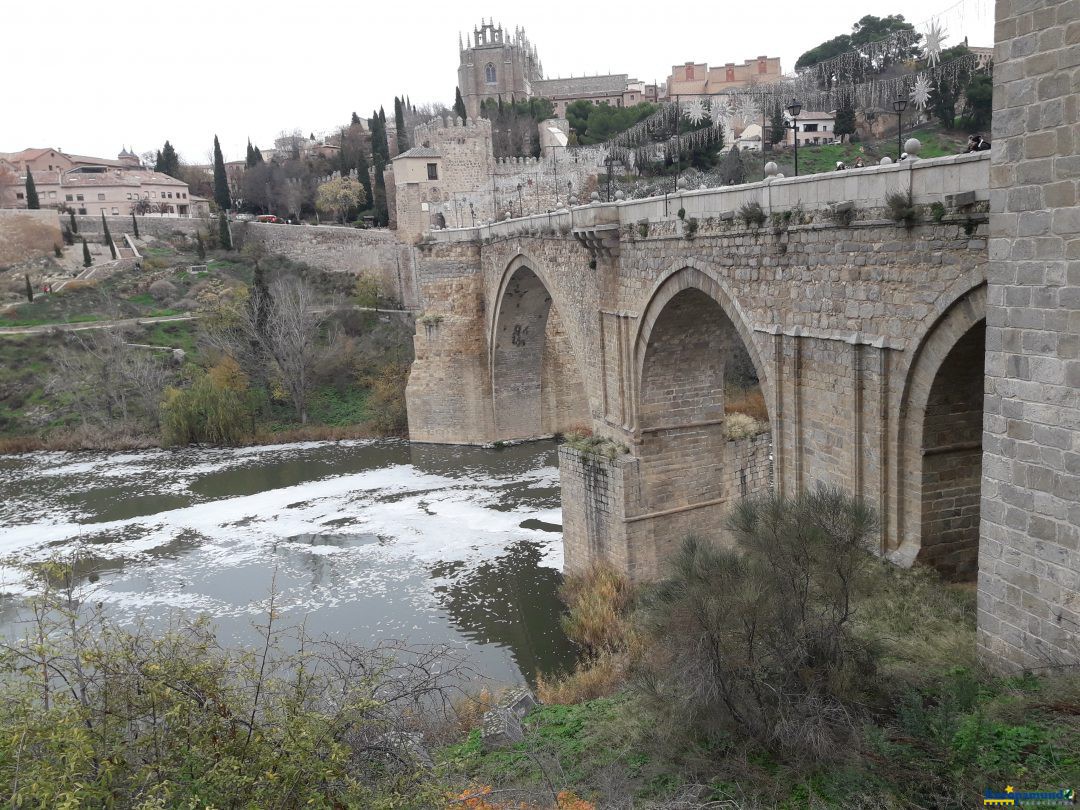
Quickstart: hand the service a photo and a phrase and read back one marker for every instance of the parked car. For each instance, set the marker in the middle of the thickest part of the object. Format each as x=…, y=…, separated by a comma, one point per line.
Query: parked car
x=274, y=218
x=244, y=217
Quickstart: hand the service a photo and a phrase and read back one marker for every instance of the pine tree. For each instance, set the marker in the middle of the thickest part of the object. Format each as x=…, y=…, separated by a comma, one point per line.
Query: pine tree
x=845, y=121
x=32, y=201
x=74, y=224
x=135, y=224
x=29, y=289
x=399, y=122
x=86, y=260
x=224, y=236
x=200, y=248
x=221, y=181
x=459, y=104
x=107, y=238
x=168, y=162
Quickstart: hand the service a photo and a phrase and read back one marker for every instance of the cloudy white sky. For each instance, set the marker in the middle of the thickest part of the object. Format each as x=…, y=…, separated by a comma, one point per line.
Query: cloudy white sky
x=99, y=75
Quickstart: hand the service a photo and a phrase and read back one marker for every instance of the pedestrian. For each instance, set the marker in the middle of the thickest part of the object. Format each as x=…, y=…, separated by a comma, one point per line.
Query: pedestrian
x=840, y=166
x=903, y=156
x=976, y=143
x=859, y=162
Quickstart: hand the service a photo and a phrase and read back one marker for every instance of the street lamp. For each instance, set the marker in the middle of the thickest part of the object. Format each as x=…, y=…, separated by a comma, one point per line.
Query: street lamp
x=899, y=105
x=521, y=205
x=793, y=110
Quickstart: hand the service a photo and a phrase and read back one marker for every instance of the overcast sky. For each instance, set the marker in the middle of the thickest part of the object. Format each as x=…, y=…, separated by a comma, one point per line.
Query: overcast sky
x=111, y=73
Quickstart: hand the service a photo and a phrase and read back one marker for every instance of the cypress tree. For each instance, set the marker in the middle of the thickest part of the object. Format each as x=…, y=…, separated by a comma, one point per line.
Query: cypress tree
x=224, y=237
x=258, y=155
x=249, y=161
x=29, y=289
x=259, y=300
x=200, y=248
x=74, y=224
x=32, y=201
x=381, y=212
x=399, y=122
x=459, y=104
x=355, y=119
x=365, y=178
x=107, y=238
x=135, y=224
x=168, y=162
x=86, y=260
x=221, y=181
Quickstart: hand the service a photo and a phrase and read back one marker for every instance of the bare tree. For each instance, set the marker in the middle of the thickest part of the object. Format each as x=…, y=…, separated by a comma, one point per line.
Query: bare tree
x=285, y=324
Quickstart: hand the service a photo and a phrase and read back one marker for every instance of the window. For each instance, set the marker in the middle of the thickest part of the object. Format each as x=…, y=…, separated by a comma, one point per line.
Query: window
x=18, y=195
x=82, y=211
x=115, y=211
x=153, y=194
x=79, y=197
x=52, y=195
x=824, y=127
x=433, y=171
x=100, y=197
x=170, y=195
x=631, y=96
x=489, y=73
x=809, y=128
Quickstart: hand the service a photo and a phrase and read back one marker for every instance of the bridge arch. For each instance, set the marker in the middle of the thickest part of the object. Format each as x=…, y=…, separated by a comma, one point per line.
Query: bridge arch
x=939, y=447
x=536, y=377
x=694, y=277
x=693, y=348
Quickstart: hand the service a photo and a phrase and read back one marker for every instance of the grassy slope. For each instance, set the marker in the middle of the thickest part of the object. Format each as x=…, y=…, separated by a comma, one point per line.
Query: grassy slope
x=945, y=731
x=816, y=159
x=27, y=408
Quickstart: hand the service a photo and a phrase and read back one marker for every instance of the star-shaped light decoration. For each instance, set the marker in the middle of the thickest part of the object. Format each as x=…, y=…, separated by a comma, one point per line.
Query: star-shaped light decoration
x=695, y=111
x=721, y=111
x=935, y=39
x=920, y=95
x=746, y=110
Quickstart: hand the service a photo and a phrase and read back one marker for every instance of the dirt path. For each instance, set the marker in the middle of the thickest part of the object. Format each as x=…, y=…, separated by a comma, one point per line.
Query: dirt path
x=15, y=331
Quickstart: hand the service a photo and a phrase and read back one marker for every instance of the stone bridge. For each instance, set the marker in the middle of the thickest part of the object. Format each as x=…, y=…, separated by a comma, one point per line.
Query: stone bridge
x=651, y=322
x=902, y=363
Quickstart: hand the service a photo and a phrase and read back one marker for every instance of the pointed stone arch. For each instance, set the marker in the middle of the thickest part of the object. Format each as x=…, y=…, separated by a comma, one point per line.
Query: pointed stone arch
x=536, y=376
x=939, y=443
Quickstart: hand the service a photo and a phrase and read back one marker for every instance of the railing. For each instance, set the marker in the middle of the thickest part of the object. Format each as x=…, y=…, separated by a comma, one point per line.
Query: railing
x=927, y=180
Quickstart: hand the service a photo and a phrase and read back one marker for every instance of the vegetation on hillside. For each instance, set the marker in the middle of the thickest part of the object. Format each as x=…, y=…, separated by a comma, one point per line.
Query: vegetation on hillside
x=337, y=372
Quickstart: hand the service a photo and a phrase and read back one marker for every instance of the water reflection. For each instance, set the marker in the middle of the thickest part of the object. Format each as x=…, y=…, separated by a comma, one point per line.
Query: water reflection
x=370, y=540
x=508, y=601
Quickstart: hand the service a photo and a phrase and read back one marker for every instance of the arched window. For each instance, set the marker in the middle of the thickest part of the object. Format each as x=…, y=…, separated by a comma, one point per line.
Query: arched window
x=489, y=73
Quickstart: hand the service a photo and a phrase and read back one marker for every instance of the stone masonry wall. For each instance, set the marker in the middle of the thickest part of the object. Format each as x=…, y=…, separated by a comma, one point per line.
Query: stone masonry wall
x=376, y=253
x=1029, y=556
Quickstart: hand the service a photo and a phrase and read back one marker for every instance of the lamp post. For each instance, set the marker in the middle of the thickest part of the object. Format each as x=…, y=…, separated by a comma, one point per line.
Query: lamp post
x=899, y=105
x=521, y=204
x=793, y=110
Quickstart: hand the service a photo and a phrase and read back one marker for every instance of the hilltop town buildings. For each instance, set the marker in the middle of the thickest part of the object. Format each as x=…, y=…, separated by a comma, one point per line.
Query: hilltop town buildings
x=89, y=185
x=497, y=65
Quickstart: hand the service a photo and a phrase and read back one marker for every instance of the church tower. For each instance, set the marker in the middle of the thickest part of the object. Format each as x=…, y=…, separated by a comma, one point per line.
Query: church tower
x=496, y=65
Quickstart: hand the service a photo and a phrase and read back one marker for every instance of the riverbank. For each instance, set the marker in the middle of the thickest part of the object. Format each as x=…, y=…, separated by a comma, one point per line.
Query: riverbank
x=92, y=366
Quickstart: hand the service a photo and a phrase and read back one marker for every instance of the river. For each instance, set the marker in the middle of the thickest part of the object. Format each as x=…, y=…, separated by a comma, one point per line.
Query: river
x=369, y=540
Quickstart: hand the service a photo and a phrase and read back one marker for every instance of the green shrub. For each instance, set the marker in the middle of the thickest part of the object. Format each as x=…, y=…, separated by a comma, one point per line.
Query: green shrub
x=752, y=214
x=213, y=410
x=937, y=211
x=758, y=641
x=901, y=209
x=102, y=715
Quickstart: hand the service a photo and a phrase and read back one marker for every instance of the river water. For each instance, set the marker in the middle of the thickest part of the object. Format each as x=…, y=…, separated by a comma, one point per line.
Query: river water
x=369, y=540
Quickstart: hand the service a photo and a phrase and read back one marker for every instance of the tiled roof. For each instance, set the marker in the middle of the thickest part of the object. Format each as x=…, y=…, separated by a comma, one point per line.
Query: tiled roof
x=420, y=152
